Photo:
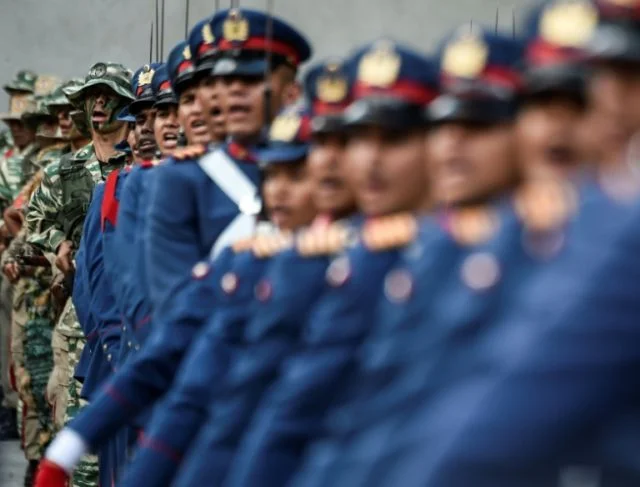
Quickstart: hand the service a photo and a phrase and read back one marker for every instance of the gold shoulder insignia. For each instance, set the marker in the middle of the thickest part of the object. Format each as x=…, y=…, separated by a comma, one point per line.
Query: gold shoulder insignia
x=242, y=245
x=189, y=152
x=473, y=226
x=264, y=246
x=545, y=205
x=389, y=232
x=325, y=241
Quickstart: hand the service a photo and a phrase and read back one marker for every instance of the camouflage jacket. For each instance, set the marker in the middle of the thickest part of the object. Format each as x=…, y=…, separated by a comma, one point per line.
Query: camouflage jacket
x=56, y=200
x=12, y=174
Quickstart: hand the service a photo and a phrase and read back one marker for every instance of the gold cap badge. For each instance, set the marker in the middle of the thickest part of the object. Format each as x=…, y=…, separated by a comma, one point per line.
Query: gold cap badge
x=186, y=53
x=380, y=67
x=235, y=27
x=568, y=23
x=146, y=76
x=332, y=86
x=465, y=57
x=285, y=127
x=207, y=34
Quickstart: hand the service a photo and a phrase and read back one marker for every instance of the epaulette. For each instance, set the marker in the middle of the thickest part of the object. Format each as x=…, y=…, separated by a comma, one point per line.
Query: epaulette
x=242, y=245
x=264, y=246
x=545, y=205
x=389, y=232
x=189, y=152
x=473, y=226
x=323, y=241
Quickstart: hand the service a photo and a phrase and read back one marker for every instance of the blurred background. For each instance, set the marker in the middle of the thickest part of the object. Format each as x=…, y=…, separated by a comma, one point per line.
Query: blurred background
x=65, y=37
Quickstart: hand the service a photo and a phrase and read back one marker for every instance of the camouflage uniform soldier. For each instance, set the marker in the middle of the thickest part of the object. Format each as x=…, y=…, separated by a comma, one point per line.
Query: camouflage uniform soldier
x=33, y=317
x=56, y=214
x=73, y=128
x=20, y=91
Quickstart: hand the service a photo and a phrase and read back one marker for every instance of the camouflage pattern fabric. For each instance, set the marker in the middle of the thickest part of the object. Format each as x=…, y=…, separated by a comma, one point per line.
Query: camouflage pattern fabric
x=86, y=474
x=11, y=174
x=28, y=417
x=38, y=355
x=58, y=385
x=45, y=219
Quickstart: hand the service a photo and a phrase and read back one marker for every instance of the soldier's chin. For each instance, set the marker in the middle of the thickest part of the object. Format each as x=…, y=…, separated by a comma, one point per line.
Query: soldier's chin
x=105, y=128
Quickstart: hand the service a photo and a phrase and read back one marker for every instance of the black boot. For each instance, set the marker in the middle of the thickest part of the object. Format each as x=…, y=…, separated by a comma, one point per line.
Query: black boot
x=8, y=424
x=30, y=474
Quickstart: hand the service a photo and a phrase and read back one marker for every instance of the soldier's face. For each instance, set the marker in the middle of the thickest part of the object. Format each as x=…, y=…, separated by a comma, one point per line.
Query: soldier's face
x=469, y=164
x=145, y=139
x=210, y=93
x=242, y=106
x=166, y=128
x=332, y=193
x=21, y=133
x=67, y=128
x=191, y=118
x=48, y=128
x=288, y=195
x=548, y=130
x=243, y=101
x=102, y=107
x=387, y=169
x=614, y=95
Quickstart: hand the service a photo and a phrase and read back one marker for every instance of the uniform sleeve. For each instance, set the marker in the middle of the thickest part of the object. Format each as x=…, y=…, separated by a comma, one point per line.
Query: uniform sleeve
x=177, y=422
x=103, y=305
x=150, y=373
x=124, y=235
x=41, y=219
x=171, y=233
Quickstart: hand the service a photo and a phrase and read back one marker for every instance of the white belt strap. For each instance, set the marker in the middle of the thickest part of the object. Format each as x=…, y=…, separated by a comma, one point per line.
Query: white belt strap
x=224, y=172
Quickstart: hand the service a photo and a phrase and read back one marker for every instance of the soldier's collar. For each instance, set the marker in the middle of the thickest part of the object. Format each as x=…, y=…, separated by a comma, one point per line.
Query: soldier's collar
x=240, y=152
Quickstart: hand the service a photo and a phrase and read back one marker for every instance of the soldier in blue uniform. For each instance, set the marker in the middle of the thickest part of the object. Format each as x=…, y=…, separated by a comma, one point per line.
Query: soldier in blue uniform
x=384, y=149
x=218, y=203
x=451, y=281
x=558, y=408
x=166, y=127
x=287, y=190
x=551, y=116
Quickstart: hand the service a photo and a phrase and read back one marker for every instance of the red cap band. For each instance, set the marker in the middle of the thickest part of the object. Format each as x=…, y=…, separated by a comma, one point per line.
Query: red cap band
x=409, y=90
x=262, y=44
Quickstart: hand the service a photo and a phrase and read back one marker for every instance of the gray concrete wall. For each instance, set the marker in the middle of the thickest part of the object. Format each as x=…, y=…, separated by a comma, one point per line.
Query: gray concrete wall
x=66, y=37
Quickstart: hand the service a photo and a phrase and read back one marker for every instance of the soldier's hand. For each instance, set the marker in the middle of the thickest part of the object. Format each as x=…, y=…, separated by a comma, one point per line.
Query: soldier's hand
x=63, y=257
x=14, y=220
x=12, y=271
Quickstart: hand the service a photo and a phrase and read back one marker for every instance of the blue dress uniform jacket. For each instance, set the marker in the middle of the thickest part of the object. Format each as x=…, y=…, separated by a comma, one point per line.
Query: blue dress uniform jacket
x=187, y=214
x=105, y=316
x=149, y=374
x=422, y=274
x=286, y=292
x=185, y=410
x=202, y=215
x=570, y=384
x=291, y=415
x=103, y=337
x=132, y=218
